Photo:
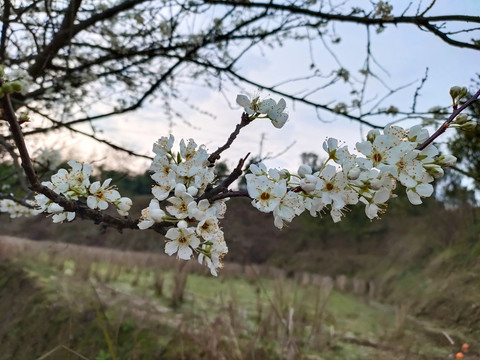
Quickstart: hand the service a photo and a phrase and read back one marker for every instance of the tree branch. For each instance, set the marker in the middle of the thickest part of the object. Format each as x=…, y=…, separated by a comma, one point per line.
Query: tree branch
x=446, y=124
x=365, y=20
x=68, y=31
x=6, y=22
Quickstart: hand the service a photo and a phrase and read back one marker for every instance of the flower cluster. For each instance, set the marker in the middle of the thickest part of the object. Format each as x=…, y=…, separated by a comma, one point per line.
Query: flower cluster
x=14, y=80
x=369, y=177
x=186, y=174
x=15, y=209
x=386, y=158
x=75, y=184
x=267, y=108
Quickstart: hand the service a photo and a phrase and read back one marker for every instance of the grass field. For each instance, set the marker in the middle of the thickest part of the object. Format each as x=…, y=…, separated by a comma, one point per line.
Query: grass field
x=60, y=305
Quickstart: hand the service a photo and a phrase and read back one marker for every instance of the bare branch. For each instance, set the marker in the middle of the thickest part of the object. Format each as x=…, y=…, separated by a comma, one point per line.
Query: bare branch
x=446, y=124
x=216, y=154
x=221, y=190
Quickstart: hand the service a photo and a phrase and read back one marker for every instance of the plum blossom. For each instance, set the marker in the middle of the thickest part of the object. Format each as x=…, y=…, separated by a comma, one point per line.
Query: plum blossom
x=209, y=229
x=102, y=195
x=180, y=201
x=276, y=114
x=163, y=146
x=290, y=205
x=416, y=193
x=151, y=215
x=15, y=210
x=182, y=241
x=211, y=254
x=123, y=205
x=266, y=194
x=333, y=188
x=255, y=105
x=74, y=184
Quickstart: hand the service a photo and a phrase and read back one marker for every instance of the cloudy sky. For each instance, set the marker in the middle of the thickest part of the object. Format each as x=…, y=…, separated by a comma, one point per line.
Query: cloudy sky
x=404, y=51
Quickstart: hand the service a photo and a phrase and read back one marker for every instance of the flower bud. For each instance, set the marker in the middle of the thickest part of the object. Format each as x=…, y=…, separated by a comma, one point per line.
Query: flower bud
x=16, y=86
x=23, y=118
x=274, y=174
x=354, y=173
x=446, y=160
x=157, y=215
x=180, y=189
x=192, y=190
x=182, y=224
x=461, y=119
x=124, y=204
x=457, y=93
x=372, y=134
x=284, y=174
x=434, y=170
x=304, y=170
x=454, y=91
x=7, y=88
x=309, y=183
x=468, y=126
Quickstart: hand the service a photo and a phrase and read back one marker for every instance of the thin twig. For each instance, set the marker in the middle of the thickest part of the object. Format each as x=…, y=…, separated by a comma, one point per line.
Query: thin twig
x=220, y=191
x=216, y=154
x=446, y=124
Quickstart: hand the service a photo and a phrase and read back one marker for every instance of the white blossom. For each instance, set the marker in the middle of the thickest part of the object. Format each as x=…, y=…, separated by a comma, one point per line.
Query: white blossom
x=151, y=215
x=182, y=241
x=265, y=193
x=102, y=195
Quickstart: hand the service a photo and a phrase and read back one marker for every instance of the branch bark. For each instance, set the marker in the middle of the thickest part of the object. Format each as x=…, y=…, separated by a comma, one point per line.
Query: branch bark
x=447, y=123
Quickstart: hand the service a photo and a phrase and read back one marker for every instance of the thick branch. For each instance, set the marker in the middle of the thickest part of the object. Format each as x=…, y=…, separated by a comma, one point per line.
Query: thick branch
x=17, y=136
x=5, y=20
x=59, y=40
x=365, y=20
x=68, y=31
x=425, y=21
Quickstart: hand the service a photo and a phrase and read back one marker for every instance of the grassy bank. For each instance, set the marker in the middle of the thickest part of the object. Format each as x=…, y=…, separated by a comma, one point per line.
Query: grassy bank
x=59, y=307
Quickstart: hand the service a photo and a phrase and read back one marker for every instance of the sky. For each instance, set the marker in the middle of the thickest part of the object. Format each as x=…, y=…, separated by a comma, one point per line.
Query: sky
x=404, y=51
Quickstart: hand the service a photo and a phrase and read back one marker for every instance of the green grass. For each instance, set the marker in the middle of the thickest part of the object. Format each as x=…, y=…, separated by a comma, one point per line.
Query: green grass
x=91, y=304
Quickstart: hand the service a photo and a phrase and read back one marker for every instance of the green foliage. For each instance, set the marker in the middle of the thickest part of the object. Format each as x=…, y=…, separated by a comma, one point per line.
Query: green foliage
x=103, y=355
x=235, y=319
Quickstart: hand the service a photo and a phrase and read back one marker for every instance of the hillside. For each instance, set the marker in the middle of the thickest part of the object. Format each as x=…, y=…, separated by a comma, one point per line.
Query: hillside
x=425, y=258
